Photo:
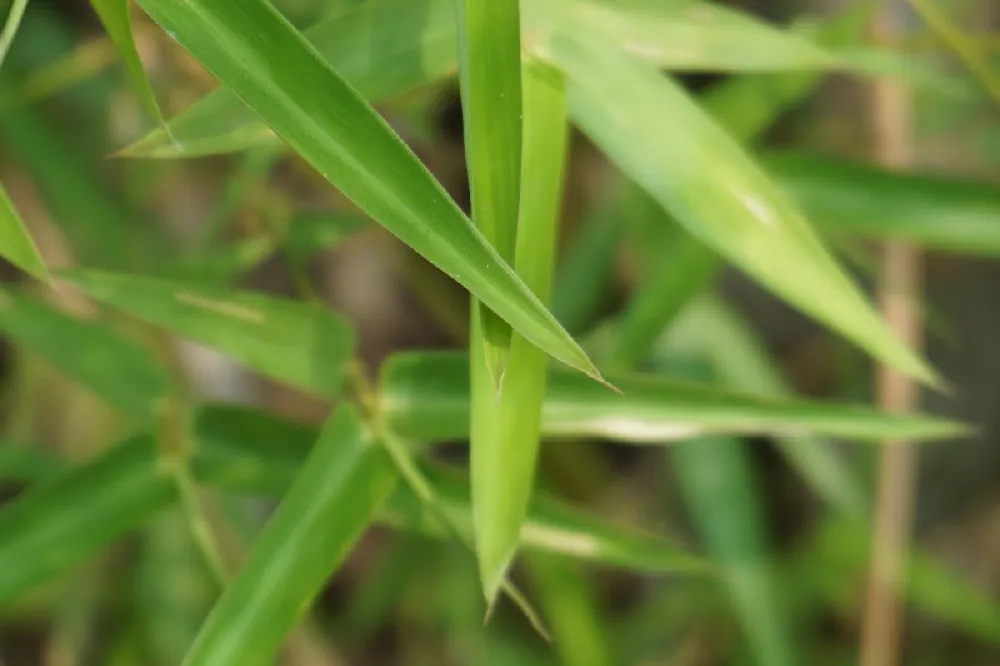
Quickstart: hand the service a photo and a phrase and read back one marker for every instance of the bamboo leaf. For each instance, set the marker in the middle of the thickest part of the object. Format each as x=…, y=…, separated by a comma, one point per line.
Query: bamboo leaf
x=117, y=21
x=61, y=522
x=335, y=131
x=409, y=43
x=505, y=428
x=16, y=244
x=936, y=212
x=716, y=191
x=425, y=397
x=489, y=57
x=710, y=330
x=75, y=512
x=700, y=36
x=382, y=48
x=116, y=369
x=301, y=344
x=302, y=544
x=720, y=489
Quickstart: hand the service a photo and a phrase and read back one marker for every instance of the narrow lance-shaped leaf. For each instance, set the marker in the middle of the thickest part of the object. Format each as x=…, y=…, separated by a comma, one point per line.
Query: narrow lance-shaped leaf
x=333, y=129
x=116, y=369
x=16, y=244
x=489, y=58
x=75, y=514
x=505, y=428
x=408, y=43
x=710, y=330
x=935, y=212
x=116, y=17
x=332, y=500
x=425, y=397
x=700, y=174
x=718, y=484
x=302, y=344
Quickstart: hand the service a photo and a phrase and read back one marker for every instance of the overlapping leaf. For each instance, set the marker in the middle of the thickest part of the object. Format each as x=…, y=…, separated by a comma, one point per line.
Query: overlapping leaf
x=387, y=47
x=302, y=344
x=16, y=244
x=425, y=397
x=658, y=136
x=114, y=368
x=333, y=129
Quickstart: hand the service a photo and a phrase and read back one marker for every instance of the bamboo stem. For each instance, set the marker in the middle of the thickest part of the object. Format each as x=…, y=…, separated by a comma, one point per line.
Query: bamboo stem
x=899, y=285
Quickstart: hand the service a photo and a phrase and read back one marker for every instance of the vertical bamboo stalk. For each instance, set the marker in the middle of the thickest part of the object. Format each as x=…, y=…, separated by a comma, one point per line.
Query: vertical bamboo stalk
x=899, y=284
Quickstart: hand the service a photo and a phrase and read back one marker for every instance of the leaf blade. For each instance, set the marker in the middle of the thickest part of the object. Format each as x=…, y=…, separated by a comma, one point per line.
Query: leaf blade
x=333, y=128
x=717, y=192
x=298, y=343
x=16, y=244
x=305, y=540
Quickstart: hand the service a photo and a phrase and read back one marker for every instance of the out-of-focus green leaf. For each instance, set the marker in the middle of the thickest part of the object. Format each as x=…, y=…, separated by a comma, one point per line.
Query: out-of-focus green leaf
x=331, y=127
x=715, y=333
x=425, y=397
x=24, y=464
x=78, y=511
x=10, y=26
x=386, y=47
x=116, y=369
x=61, y=522
x=939, y=213
x=117, y=21
x=505, y=431
x=312, y=232
x=551, y=526
x=571, y=609
x=584, y=276
x=16, y=244
x=174, y=590
x=302, y=544
x=299, y=343
x=716, y=191
x=834, y=562
x=720, y=490
x=686, y=35
x=382, y=48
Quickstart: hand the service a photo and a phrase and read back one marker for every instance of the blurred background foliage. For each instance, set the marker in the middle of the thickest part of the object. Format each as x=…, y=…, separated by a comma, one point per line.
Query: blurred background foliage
x=262, y=219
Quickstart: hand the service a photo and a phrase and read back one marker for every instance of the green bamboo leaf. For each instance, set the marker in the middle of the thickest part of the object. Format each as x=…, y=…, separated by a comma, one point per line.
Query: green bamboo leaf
x=709, y=330
x=302, y=544
x=302, y=344
x=117, y=21
x=383, y=48
x=716, y=191
x=10, y=26
x=572, y=609
x=333, y=129
x=505, y=428
x=75, y=512
x=936, y=212
x=836, y=559
x=246, y=451
x=309, y=233
x=63, y=521
x=551, y=527
x=24, y=464
x=115, y=369
x=425, y=397
x=489, y=57
x=16, y=244
x=174, y=590
x=584, y=276
x=720, y=490
x=687, y=35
